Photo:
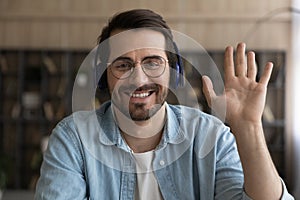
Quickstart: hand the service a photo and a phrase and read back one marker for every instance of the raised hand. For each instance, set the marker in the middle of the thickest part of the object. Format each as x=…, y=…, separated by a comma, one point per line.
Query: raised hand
x=243, y=96
x=244, y=99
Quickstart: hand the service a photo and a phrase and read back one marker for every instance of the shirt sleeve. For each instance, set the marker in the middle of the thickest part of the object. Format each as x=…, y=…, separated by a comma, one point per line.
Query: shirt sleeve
x=285, y=193
x=229, y=180
x=62, y=174
x=229, y=173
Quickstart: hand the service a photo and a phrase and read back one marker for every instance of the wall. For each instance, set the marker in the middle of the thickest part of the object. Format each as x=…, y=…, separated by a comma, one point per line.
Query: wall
x=76, y=23
x=294, y=96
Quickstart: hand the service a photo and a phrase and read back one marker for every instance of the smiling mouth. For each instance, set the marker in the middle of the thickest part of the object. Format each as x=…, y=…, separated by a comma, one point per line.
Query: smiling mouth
x=141, y=94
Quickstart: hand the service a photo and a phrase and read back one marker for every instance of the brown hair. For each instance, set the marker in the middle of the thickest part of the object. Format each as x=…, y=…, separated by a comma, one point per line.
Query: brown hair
x=138, y=18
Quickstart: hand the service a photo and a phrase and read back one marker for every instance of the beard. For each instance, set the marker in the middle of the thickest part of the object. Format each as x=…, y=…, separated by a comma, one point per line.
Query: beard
x=142, y=111
x=139, y=112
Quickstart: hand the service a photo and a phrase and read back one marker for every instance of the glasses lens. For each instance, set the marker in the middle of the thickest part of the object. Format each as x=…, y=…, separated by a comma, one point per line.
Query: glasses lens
x=154, y=66
x=121, y=68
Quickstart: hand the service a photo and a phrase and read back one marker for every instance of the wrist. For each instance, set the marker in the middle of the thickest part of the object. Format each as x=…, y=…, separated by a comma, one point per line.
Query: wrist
x=246, y=126
x=249, y=136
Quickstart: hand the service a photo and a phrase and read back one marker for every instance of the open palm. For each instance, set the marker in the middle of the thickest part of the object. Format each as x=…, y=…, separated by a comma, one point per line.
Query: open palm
x=243, y=96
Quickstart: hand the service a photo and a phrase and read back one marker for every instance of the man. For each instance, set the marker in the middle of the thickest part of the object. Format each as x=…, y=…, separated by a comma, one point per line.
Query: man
x=137, y=146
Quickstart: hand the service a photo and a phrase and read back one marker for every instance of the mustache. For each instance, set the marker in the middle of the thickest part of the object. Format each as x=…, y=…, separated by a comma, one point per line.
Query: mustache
x=131, y=88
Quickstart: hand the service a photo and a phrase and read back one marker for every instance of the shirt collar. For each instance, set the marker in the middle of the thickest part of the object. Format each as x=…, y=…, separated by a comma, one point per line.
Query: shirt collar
x=110, y=134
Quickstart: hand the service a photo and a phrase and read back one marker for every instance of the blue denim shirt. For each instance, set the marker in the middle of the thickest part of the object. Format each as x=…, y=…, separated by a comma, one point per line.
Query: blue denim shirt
x=87, y=158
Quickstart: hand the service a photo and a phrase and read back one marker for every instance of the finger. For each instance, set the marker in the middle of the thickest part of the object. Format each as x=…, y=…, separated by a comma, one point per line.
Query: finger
x=251, y=69
x=208, y=90
x=228, y=63
x=240, y=60
x=266, y=74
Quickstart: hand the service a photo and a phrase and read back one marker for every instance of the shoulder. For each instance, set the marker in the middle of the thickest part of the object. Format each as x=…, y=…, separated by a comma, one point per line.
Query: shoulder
x=79, y=118
x=206, y=131
x=83, y=126
x=194, y=115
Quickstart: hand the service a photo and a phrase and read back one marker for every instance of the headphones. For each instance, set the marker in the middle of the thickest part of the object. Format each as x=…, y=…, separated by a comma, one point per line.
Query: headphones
x=176, y=82
x=179, y=75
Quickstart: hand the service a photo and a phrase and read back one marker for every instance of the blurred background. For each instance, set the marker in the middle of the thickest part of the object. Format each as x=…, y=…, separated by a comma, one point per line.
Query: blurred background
x=43, y=43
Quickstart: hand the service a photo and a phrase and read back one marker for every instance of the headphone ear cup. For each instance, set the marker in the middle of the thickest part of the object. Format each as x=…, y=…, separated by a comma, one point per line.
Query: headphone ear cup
x=102, y=84
x=100, y=77
x=179, y=75
x=179, y=72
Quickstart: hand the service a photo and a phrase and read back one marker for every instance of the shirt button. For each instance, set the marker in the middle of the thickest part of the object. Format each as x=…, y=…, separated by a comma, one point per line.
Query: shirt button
x=162, y=162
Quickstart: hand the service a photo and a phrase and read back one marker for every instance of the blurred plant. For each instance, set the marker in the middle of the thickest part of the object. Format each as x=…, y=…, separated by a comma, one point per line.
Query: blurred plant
x=4, y=170
x=2, y=179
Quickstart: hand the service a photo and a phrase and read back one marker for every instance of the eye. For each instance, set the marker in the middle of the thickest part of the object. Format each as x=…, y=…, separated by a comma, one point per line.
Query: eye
x=153, y=63
x=121, y=65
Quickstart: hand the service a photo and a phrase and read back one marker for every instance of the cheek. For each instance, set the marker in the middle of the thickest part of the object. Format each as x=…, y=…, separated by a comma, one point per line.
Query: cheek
x=163, y=80
x=113, y=84
x=111, y=81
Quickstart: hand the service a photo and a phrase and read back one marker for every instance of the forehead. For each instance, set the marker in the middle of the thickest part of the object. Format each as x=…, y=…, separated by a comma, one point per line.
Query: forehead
x=137, y=40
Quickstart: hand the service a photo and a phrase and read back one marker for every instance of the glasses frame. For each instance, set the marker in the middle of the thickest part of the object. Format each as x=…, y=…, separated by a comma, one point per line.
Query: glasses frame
x=142, y=66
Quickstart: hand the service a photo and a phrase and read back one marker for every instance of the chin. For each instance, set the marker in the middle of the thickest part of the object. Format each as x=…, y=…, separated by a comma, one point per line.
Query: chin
x=140, y=113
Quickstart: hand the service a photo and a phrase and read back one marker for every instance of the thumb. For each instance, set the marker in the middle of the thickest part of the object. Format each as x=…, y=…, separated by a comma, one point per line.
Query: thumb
x=208, y=90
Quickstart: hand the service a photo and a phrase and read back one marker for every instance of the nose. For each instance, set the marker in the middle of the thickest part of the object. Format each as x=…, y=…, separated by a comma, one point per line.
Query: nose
x=138, y=76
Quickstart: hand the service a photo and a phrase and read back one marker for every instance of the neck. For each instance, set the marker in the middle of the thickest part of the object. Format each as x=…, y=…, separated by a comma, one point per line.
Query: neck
x=141, y=145
x=141, y=136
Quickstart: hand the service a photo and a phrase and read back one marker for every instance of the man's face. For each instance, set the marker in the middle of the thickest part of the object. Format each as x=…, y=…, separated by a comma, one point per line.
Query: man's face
x=139, y=96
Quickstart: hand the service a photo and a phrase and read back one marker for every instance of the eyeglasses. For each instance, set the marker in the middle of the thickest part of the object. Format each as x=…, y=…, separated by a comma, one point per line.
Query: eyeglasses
x=153, y=66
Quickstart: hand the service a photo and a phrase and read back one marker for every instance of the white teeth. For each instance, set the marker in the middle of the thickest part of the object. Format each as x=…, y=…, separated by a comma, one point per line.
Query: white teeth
x=140, y=95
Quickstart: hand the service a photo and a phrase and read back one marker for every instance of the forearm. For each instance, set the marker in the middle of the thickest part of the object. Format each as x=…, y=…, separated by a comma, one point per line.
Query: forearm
x=260, y=175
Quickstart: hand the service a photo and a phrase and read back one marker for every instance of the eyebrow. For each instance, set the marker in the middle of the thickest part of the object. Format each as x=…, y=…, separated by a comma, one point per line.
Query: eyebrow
x=122, y=58
x=129, y=59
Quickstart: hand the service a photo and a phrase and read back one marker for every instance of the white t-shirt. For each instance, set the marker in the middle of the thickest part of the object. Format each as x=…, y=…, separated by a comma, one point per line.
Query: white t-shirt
x=146, y=187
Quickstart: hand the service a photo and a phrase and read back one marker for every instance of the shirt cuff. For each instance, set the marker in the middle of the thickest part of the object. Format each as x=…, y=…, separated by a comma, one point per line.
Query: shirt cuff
x=285, y=194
